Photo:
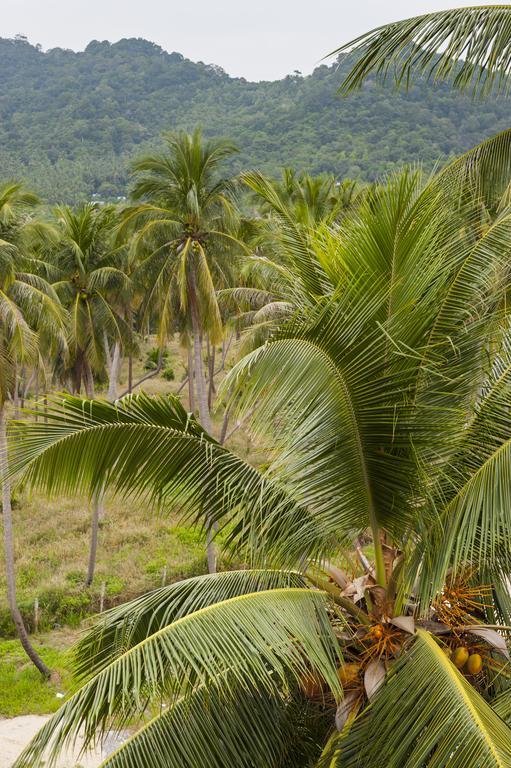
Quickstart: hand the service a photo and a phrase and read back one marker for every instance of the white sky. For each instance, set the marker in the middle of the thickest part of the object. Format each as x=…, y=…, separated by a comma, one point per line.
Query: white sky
x=258, y=39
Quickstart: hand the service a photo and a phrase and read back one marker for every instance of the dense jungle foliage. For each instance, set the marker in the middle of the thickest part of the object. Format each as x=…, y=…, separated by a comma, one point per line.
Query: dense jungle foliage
x=71, y=122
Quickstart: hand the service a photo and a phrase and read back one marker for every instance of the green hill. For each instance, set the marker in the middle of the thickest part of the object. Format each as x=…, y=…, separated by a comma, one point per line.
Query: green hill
x=70, y=122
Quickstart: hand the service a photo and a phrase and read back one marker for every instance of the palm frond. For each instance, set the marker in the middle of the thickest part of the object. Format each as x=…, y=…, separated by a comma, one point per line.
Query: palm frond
x=152, y=448
x=242, y=728
x=263, y=640
x=466, y=46
x=126, y=625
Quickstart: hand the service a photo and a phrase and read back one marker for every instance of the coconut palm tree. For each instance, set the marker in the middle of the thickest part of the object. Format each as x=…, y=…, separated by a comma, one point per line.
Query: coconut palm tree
x=383, y=403
x=28, y=307
x=185, y=215
x=87, y=283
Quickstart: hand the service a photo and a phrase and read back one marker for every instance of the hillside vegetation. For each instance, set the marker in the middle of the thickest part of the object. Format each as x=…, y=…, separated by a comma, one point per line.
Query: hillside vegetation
x=70, y=123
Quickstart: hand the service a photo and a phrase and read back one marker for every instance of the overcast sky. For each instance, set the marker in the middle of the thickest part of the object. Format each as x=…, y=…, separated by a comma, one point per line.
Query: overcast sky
x=256, y=39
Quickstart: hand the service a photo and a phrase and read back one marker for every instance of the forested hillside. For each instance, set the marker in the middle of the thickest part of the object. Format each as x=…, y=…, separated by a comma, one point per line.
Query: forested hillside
x=71, y=122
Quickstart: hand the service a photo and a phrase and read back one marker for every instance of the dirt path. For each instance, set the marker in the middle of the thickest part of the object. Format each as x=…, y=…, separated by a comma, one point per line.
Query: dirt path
x=15, y=734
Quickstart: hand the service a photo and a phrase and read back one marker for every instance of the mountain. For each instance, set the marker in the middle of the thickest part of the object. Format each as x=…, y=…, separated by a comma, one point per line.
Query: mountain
x=71, y=122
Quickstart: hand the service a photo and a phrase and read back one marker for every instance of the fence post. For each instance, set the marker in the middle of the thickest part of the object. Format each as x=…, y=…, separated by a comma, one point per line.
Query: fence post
x=164, y=576
x=36, y=615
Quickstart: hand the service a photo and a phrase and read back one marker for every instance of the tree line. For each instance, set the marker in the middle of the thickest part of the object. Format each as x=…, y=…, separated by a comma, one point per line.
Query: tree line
x=70, y=122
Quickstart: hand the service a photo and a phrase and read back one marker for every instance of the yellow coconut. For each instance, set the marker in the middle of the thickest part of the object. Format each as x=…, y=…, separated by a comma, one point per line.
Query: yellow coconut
x=474, y=664
x=459, y=657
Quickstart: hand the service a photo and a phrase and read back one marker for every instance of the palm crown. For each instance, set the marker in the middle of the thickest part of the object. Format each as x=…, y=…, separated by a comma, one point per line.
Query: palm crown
x=384, y=398
x=186, y=231
x=87, y=280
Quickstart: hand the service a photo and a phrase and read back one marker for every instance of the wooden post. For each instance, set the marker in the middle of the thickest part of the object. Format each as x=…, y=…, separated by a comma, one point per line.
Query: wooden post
x=102, y=596
x=36, y=615
x=164, y=576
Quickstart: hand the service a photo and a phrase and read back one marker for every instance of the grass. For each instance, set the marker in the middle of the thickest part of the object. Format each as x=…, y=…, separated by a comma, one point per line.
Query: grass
x=22, y=689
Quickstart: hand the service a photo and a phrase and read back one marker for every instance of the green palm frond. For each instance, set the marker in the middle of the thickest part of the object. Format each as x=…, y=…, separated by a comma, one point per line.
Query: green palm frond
x=263, y=640
x=152, y=448
x=467, y=46
x=483, y=171
x=126, y=625
x=261, y=731
x=427, y=714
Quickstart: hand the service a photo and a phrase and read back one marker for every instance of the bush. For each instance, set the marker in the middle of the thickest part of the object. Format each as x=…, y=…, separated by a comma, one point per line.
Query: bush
x=168, y=374
x=56, y=608
x=153, y=357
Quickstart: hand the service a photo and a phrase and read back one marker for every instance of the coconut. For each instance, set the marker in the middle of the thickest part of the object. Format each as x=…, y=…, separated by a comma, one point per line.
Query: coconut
x=474, y=664
x=459, y=657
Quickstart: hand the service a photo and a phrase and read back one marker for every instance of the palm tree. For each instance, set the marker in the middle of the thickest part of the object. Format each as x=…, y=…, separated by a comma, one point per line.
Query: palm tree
x=310, y=199
x=28, y=306
x=384, y=405
x=185, y=216
x=87, y=283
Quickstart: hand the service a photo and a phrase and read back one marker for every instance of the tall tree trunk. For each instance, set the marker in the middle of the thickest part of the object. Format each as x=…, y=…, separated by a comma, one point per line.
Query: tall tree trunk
x=211, y=375
x=98, y=499
x=203, y=405
x=106, y=345
x=88, y=380
x=191, y=395
x=200, y=384
x=115, y=370
x=225, y=424
x=9, y=552
x=36, y=393
x=16, y=393
x=98, y=511
x=130, y=350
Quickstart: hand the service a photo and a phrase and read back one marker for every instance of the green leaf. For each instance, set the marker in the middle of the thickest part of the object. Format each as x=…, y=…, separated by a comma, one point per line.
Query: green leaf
x=264, y=641
x=128, y=624
x=467, y=46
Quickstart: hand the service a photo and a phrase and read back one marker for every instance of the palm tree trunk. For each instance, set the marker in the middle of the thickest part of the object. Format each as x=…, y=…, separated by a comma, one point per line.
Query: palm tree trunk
x=202, y=400
x=200, y=384
x=36, y=393
x=211, y=375
x=130, y=350
x=9, y=552
x=98, y=510
x=225, y=424
x=115, y=369
x=107, y=350
x=16, y=393
x=191, y=395
x=88, y=380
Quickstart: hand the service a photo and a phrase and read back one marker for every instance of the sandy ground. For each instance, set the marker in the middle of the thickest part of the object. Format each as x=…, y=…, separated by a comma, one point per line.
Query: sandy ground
x=17, y=732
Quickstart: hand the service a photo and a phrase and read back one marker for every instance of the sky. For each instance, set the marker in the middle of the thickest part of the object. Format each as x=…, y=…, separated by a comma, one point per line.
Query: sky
x=258, y=39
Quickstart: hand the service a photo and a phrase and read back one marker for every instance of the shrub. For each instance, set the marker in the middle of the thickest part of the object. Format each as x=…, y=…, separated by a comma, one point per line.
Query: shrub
x=153, y=356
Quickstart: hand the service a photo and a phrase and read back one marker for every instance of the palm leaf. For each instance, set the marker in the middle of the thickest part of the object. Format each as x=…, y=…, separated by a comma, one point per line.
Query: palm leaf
x=467, y=46
x=152, y=448
x=246, y=729
x=126, y=625
x=263, y=641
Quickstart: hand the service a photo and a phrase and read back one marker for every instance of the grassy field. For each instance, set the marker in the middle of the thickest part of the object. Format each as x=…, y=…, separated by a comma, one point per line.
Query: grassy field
x=138, y=547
